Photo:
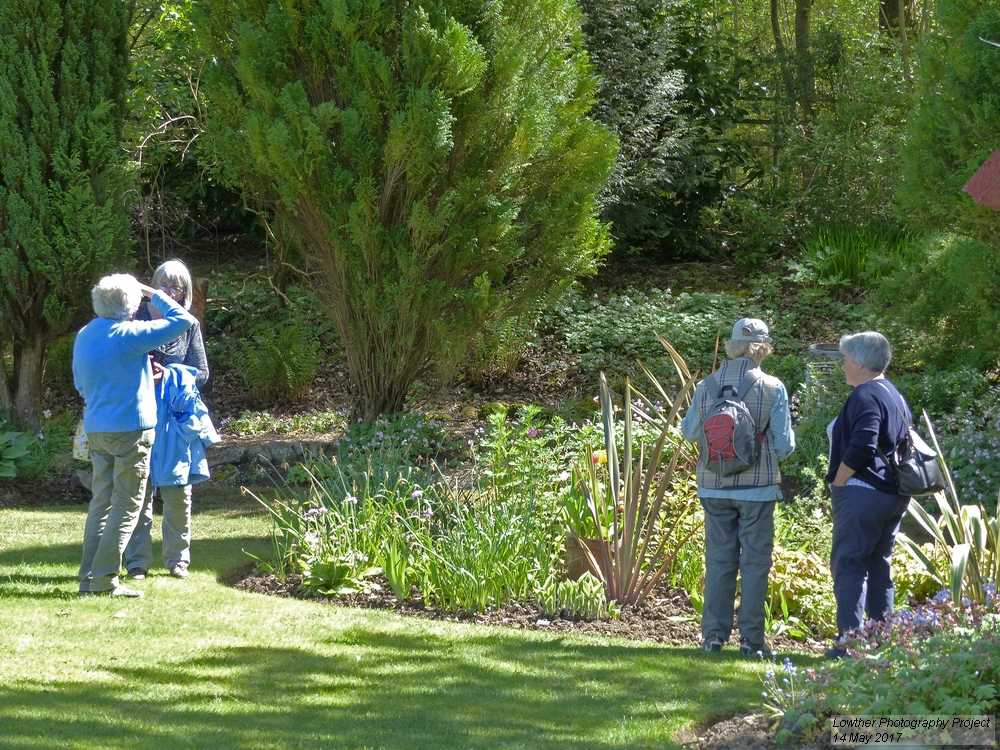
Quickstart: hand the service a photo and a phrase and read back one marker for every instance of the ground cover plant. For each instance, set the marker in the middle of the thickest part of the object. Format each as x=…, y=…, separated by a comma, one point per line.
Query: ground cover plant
x=199, y=664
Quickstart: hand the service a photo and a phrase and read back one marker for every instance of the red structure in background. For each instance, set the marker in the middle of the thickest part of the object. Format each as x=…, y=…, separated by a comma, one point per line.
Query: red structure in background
x=984, y=187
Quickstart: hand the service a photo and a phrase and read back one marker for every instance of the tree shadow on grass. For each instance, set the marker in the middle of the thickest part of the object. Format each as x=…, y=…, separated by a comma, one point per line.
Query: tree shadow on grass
x=380, y=689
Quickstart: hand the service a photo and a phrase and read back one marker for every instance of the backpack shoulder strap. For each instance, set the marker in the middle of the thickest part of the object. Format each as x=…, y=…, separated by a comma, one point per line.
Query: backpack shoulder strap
x=748, y=382
x=712, y=389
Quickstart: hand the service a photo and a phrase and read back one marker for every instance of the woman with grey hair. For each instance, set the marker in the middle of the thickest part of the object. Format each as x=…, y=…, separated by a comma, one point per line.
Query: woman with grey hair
x=174, y=279
x=867, y=506
x=112, y=371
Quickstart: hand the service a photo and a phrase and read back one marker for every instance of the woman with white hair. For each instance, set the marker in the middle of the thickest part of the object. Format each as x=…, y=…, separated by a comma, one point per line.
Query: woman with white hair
x=112, y=371
x=867, y=506
x=174, y=279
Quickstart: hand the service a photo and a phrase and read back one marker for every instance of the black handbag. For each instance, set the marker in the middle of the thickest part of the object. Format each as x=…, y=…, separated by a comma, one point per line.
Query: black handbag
x=913, y=463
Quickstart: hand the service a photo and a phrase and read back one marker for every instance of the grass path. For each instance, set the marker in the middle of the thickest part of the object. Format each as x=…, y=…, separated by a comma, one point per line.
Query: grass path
x=196, y=664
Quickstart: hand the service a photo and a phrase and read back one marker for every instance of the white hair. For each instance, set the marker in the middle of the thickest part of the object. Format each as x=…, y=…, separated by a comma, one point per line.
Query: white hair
x=868, y=348
x=755, y=350
x=116, y=297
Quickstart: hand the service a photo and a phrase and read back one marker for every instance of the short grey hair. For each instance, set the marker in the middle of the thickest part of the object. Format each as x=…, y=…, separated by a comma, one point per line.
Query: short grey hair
x=868, y=348
x=755, y=350
x=116, y=297
x=174, y=273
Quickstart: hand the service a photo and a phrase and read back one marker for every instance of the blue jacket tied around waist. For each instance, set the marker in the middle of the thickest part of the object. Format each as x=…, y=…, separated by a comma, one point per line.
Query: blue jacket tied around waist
x=183, y=430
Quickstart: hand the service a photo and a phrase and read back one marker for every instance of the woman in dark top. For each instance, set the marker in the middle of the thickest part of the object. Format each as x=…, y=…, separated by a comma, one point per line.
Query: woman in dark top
x=867, y=507
x=173, y=279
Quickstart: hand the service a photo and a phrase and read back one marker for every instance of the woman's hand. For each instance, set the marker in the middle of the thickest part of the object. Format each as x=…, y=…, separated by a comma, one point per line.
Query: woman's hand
x=147, y=291
x=844, y=472
x=157, y=371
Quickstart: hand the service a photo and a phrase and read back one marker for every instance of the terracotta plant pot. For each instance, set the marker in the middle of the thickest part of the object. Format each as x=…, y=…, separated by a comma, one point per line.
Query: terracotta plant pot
x=577, y=562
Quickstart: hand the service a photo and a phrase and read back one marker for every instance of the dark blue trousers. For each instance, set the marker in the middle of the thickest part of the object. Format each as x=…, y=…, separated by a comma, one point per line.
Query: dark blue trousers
x=865, y=524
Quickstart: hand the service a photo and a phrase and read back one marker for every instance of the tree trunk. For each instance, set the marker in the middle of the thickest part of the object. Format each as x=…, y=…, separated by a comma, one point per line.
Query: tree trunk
x=904, y=50
x=29, y=363
x=6, y=398
x=805, y=79
x=779, y=48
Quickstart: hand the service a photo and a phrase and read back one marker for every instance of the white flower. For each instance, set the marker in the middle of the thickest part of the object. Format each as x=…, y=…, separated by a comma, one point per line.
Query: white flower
x=47, y=414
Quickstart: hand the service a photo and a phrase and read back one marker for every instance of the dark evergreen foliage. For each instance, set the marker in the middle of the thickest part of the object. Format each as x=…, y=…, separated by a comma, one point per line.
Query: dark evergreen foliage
x=670, y=93
x=957, y=123
x=63, y=69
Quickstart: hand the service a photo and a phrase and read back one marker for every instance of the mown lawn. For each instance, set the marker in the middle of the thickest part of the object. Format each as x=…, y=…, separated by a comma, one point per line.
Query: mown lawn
x=196, y=664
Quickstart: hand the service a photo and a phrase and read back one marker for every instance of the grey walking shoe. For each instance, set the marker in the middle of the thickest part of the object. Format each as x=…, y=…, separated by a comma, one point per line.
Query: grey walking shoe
x=137, y=574
x=712, y=644
x=180, y=570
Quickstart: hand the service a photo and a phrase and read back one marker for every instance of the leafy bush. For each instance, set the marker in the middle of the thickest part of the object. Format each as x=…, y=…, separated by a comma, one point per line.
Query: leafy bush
x=800, y=586
x=947, y=294
x=610, y=334
x=14, y=452
x=945, y=391
x=936, y=659
x=670, y=92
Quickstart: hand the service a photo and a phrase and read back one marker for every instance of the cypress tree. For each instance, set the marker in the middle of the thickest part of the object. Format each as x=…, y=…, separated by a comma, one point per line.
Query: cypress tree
x=63, y=70
x=433, y=158
x=956, y=124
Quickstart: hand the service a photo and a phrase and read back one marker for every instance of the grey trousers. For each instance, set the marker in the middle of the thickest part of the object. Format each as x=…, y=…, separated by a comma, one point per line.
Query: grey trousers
x=739, y=537
x=176, y=530
x=121, y=468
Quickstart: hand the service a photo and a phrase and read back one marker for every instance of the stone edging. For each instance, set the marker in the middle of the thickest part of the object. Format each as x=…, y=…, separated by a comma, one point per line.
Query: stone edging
x=229, y=462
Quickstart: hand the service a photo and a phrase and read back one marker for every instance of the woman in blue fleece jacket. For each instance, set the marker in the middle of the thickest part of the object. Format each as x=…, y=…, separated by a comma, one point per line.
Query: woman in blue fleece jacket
x=112, y=371
x=867, y=506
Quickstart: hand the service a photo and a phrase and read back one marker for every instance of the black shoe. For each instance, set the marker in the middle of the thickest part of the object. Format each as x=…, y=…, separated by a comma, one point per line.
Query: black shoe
x=836, y=653
x=754, y=649
x=712, y=644
x=137, y=574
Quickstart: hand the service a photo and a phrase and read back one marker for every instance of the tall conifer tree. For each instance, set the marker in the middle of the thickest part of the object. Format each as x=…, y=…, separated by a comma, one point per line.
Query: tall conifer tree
x=63, y=71
x=434, y=158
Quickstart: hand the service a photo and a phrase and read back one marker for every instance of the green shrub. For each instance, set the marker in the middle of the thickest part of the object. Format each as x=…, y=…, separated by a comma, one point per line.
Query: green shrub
x=14, y=452
x=945, y=391
x=800, y=586
x=610, y=334
x=936, y=659
x=948, y=294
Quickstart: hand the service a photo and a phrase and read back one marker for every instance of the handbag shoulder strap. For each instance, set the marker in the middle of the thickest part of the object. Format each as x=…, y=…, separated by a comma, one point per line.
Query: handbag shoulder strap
x=906, y=420
x=906, y=424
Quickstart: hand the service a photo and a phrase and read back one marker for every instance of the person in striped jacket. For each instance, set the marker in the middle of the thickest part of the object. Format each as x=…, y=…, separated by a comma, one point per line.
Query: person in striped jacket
x=739, y=506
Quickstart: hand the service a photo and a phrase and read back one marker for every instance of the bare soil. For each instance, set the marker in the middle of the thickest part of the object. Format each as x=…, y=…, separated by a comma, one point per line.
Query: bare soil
x=665, y=617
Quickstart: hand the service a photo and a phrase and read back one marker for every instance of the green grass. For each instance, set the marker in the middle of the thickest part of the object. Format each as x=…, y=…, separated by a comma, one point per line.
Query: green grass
x=196, y=664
